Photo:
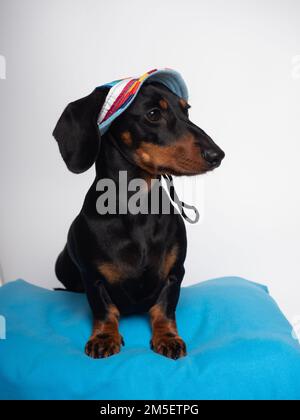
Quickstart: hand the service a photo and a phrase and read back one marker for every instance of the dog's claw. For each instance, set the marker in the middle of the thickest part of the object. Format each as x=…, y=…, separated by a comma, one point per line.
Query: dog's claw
x=171, y=347
x=101, y=346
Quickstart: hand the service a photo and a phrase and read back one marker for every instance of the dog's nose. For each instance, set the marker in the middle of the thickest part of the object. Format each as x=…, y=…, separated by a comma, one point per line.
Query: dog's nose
x=213, y=156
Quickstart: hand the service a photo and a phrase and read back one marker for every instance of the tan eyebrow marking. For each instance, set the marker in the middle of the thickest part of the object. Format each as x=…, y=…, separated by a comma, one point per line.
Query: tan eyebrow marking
x=183, y=103
x=163, y=104
x=127, y=138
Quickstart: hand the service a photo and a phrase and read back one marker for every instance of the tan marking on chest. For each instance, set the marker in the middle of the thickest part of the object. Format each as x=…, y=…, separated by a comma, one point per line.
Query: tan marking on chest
x=111, y=272
x=169, y=261
x=115, y=273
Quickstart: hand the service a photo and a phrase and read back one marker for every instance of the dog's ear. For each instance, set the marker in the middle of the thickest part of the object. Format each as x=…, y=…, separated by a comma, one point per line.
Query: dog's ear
x=77, y=133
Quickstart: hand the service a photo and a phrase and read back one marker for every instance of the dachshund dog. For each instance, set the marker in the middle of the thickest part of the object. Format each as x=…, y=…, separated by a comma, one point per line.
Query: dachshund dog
x=130, y=263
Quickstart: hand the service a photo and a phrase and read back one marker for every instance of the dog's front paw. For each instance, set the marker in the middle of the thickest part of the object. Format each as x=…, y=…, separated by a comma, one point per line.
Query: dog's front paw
x=104, y=345
x=169, y=345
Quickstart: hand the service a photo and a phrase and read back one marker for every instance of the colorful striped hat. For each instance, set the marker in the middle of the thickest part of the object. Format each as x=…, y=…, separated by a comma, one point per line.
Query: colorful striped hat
x=123, y=92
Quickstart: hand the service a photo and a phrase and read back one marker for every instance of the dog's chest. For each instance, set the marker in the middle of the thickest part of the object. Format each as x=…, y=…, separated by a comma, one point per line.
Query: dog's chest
x=142, y=256
x=144, y=249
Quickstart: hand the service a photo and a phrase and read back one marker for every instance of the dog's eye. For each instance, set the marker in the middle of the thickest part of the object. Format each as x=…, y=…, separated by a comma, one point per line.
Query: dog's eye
x=154, y=114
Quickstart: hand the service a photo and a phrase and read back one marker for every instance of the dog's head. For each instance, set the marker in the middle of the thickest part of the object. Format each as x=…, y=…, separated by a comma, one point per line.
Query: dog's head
x=154, y=132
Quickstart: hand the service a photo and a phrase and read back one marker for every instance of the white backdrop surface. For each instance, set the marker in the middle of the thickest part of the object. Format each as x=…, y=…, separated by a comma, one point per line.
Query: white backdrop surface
x=241, y=61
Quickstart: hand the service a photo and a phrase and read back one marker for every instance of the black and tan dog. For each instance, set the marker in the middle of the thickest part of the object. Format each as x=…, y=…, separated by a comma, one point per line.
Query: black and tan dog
x=130, y=263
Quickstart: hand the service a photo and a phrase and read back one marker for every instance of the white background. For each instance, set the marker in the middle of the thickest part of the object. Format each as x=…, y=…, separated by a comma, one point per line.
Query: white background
x=239, y=58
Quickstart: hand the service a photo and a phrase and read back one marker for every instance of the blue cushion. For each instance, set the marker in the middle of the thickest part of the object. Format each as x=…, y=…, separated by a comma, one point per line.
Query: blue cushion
x=240, y=346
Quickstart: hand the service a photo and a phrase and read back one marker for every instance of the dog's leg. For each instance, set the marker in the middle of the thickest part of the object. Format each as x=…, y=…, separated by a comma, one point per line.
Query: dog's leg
x=68, y=273
x=165, y=338
x=105, y=340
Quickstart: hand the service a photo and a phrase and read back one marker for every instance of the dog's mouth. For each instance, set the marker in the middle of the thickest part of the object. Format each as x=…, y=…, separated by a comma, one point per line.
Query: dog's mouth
x=185, y=158
x=182, y=167
x=188, y=167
